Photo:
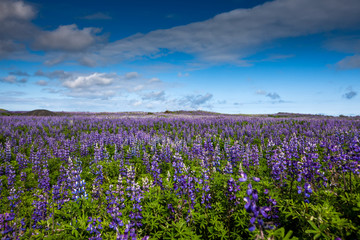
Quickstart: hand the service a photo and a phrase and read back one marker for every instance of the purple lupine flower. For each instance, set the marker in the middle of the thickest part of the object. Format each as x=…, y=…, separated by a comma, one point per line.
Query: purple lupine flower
x=44, y=180
x=307, y=192
x=243, y=177
x=1, y=187
x=256, y=179
x=99, y=179
x=23, y=176
x=228, y=169
x=21, y=160
x=232, y=189
x=206, y=196
x=40, y=209
x=135, y=194
x=10, y=173
x=79, y=190
x=56, y=193
x=8, y=151
x=146, y=184
x=94, y=228
x=155, y=172
x=257, y=213
x=7, y=226
x=98, y=154
x=114, y=204
x=14, y=198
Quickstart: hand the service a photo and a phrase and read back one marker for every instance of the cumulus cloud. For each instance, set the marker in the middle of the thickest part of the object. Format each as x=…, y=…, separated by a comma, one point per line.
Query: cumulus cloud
x=67, y=38
x=232, y=36
x=13, y=79
x=16, y=28
x=104, y=85
x=154, y=80
x=8, y=46
x=346, y=44
x=154, y=95
x=53, y=75
x=15, y=10
x=20, y=73
x=95, y=79
x=42, y=83
x=97, y=16
x=131, y=75
x=273, y=96
x=260, y=92
x=9, y=79
x=350, y=62
x=17, y=33
x=195, y=101
x=350, y=94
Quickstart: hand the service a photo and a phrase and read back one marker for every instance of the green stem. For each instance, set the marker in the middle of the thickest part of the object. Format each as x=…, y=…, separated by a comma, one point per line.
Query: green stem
x=53, y=217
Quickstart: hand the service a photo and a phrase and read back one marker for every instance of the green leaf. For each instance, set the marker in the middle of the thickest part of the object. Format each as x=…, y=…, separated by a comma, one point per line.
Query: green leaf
x=288, y=235
x=314, y=226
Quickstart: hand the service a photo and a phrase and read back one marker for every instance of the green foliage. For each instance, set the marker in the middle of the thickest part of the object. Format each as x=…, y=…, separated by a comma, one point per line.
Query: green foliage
x=333, y=211
x=54, y=167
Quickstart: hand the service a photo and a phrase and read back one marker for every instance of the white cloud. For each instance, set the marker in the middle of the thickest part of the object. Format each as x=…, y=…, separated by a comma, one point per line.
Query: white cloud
x=232, y=36
x=89, y=80
x=67, y=38
x=102, y=85
x=8, y=46
x=16, y=28
x=53, y=75
x=131, y=75
x=154, y=80
x=42, y=83
x=180, y=74
x=154, y=95
x=349, y=62
x=194, y=100
x=19, y=73
x=17, y=33
x=9, y=79
x=260, y=92
x=15, y=10
x=347, y=44
x=138, y=87
x=13, y=79
x=137, y=103
x=273, y=96
x=350, y=94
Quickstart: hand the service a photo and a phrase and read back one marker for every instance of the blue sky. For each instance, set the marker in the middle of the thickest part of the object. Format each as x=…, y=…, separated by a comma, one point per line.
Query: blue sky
x=230, y=56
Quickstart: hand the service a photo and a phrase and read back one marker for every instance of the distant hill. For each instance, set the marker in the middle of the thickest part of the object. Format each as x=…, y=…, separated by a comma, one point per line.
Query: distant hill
x=197, y=112
x=294, y=115
x=4, y=112
x=40, y=112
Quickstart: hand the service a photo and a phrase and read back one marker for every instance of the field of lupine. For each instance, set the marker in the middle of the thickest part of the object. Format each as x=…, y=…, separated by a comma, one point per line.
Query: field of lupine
x=179, y=177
